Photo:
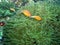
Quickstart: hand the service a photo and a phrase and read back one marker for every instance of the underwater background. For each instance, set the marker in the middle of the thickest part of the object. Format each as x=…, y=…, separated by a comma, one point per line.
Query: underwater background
x=22, y=28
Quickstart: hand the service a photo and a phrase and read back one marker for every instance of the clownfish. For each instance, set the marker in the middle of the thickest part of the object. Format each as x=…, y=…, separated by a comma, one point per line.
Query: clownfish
x=37, y=17
x=12, y=9
x=26, y=13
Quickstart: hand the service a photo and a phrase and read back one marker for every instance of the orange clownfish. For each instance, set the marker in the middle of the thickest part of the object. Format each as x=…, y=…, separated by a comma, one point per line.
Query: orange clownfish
x=36, y=17
x=12, y=9
x=26, y=13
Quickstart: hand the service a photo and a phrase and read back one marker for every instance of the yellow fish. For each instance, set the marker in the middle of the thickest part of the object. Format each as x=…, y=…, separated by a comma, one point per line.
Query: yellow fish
x=26, y=13
x=12, y=9
x=36, y=17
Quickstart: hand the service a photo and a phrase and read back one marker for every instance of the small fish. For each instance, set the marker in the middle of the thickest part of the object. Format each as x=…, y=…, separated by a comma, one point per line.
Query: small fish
x=37, y=17
x=26, y=13
x=12, y=9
